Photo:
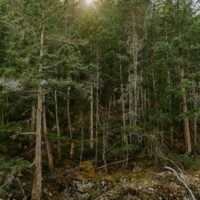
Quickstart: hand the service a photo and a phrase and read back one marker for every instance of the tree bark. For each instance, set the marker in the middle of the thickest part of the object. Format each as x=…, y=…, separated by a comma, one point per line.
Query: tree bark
x=57, y=126
x=33, y=118
x=91, y=117
x=97, y=109
x=170, y=108
x=122, y=103
x=195, y=118
x=82, y=138
x=186, y=120
x=37, y=182
x=48, y=145
x=104, y=146
x=69, y=124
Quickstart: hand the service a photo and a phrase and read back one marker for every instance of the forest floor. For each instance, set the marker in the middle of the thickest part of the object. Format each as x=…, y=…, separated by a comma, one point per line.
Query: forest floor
x=143, y=181
x=140, y=183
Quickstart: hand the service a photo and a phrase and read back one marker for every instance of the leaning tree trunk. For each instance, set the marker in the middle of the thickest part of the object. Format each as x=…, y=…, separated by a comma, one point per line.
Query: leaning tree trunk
x=37, y=182
x=186, y=120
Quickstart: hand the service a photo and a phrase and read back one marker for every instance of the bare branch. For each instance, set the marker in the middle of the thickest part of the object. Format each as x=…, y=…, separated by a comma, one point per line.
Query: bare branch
x=114, y=163
x=28, y=133
x=182, y=181
x=20, y=185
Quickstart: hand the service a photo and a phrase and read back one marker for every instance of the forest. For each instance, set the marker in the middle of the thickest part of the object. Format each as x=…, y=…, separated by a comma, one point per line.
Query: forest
x=99, y=99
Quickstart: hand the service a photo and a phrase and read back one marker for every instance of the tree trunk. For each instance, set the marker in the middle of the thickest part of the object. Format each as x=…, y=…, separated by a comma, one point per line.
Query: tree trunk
x=136, y=46
x=186, y=120
x=69, y=124
x=97, y=109
x=170, y=108
x=82, y=138
x=130, y=96
x=2, y=118
x=57, y=126
x=195, y=118
x=104, y=145
x=33, y=118
x=91, y=118
x=48, y=145
x=122, y=103
x=37, y=182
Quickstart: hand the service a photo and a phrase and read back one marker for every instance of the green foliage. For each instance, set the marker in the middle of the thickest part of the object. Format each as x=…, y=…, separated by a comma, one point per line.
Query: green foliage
x=86, y=46
x=186, y=161
x=128, y=129
x=55, y=138
x=123, y=149
x=13, y=164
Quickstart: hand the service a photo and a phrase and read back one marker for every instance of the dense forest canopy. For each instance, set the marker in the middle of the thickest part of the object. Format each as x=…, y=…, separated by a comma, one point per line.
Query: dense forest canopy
x=100, y=80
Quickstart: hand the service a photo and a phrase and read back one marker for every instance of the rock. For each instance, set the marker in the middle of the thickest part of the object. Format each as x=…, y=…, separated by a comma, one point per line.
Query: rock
x=66, y=194
x=84, y=196
x=163, y=175
x=78, y=186
x=90, y=185
x=151, y=189
x=124, y=182
x=105, y=185
x=137, y=168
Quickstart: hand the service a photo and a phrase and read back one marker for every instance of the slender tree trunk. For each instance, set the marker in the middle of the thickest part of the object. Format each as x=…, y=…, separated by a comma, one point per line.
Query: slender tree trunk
x=48, y=145
x=145, y=104
x=171, y=130
x=104, y=146
x=136, y=46
x=122, y=103
x=154, y=83
x=135, y=89
x=97, y=109
x=130, y=96
x=186, y=120
x=57, y=126
x=195, y=118
x=69, y=124
x=91, y=117
x=37, y=182
x=33, y=118
x=82, y=138
x=2, y=118
x=172, y=135
x=142, y=101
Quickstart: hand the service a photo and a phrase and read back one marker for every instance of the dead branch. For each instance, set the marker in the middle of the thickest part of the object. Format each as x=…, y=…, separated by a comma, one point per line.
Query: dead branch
x=114, y=163
x=20, y=185
x=28, y=133
x=182, y=181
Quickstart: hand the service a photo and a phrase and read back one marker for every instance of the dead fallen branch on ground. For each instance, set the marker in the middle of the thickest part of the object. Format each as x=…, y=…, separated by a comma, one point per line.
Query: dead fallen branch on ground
x=181, y=179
